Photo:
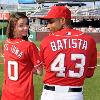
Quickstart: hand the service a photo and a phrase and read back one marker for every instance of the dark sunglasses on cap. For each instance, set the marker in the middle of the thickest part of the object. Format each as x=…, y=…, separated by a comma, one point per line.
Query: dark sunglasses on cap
x=50, y=21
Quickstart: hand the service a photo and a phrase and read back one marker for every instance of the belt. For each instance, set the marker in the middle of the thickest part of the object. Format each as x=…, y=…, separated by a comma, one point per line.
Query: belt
x=52, y=88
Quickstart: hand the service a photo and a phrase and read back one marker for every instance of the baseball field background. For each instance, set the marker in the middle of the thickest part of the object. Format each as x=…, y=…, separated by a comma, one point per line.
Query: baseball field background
x=91, y=86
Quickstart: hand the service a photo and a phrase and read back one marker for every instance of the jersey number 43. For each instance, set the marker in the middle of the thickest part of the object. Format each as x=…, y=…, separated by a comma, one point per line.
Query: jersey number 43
x=58, y=65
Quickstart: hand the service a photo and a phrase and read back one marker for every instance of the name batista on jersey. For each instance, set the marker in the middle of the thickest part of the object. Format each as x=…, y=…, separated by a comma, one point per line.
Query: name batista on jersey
x=69, y=43
x=14, y=50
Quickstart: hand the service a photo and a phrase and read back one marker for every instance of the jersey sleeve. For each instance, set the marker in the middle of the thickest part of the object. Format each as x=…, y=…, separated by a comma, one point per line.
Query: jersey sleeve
x=93, y=60
x=42, y=54
x=34, y=55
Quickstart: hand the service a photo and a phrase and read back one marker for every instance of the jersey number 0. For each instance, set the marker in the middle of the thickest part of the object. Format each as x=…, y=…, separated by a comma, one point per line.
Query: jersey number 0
x=13, y=64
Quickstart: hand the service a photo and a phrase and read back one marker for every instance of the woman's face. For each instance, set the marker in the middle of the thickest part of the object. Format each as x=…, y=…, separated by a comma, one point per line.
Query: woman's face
x=21, y=28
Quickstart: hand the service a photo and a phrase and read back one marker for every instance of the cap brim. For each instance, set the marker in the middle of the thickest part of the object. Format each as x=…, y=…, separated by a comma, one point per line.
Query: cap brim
x=45, y=17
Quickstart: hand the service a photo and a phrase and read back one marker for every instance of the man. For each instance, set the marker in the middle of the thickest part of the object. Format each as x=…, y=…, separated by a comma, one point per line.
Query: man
x=69, y=56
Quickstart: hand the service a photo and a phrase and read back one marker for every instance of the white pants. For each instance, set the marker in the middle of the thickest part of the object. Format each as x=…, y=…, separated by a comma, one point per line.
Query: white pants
x=61, y=93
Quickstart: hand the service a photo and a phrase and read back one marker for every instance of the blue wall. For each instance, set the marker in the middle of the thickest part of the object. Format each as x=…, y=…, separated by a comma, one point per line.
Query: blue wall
x=26, y=1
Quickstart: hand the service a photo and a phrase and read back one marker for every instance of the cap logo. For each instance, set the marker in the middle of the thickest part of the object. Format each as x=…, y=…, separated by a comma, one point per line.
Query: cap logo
x=68, y=33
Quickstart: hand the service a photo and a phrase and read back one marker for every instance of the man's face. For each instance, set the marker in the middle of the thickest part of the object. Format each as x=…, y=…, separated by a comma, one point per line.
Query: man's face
x=54, y=25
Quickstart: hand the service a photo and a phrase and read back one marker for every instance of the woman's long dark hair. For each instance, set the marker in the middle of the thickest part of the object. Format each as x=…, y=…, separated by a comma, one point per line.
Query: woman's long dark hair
x=14, y=17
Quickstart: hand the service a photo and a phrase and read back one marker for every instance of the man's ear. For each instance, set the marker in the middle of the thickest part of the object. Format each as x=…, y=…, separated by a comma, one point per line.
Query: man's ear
x=63, y=21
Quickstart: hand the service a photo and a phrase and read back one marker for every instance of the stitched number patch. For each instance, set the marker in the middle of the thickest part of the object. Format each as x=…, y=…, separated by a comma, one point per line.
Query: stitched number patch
x=80, y=65
x=13, y=65
x=58, y=65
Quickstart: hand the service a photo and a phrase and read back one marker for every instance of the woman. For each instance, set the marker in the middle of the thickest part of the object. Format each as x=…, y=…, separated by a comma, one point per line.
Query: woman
x=21, y=59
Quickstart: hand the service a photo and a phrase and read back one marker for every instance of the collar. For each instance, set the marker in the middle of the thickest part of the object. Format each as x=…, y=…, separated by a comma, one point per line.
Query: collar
x=68, y=32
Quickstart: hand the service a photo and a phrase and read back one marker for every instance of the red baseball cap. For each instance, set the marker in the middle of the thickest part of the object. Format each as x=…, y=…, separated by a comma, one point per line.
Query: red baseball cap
x=58, y=12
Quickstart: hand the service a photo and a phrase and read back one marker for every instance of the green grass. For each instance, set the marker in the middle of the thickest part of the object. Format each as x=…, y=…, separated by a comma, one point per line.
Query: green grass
x=0, y=43
x=91, y=86
x=98, y=46
x=3, y=24
x=38, y=86
x=1, y=76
